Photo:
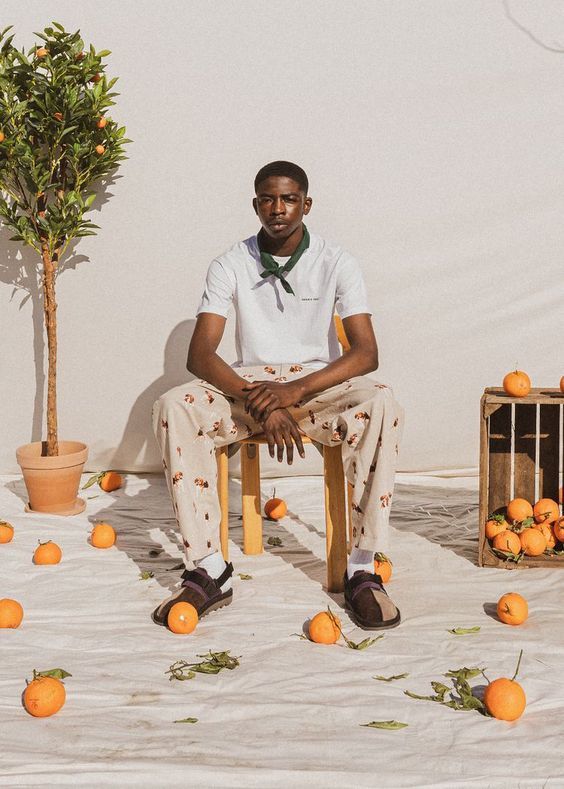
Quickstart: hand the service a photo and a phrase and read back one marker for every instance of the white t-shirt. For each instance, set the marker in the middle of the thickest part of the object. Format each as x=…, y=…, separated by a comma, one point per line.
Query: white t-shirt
x=275, y=327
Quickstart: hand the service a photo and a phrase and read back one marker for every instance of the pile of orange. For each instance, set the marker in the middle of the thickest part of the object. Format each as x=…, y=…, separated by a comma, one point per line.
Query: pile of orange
x=527, y=529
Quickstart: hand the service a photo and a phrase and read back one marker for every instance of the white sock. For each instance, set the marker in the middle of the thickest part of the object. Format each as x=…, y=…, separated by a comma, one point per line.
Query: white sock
x=360, y=560
x=214, y=565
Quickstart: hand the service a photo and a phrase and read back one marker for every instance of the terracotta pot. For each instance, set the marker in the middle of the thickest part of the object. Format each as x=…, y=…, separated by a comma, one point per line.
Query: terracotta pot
x=52, y=482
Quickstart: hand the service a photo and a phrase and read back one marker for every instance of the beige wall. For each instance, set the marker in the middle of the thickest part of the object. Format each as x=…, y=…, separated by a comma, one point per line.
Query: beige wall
x=432, y=135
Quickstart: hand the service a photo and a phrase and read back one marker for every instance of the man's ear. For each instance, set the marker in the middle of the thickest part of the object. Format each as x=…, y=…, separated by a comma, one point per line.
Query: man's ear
x=255, y=205
x=307, y=205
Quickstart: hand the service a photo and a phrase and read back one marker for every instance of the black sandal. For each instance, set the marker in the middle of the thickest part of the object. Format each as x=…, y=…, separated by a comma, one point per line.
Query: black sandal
x=201, y=590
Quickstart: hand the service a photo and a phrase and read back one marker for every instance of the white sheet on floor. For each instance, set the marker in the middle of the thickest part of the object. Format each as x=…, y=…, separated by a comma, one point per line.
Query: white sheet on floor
x=291, y=714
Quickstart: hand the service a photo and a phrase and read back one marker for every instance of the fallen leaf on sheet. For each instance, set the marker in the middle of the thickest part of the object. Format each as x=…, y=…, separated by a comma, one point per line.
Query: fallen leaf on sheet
x=187, y=720
x=392, y=725
x=244, y=576
x=274, y=541
x=146, y=574
x=392, y=678
x=461, y=696
x=57, y=673
x=216, y=661
x=463, y=631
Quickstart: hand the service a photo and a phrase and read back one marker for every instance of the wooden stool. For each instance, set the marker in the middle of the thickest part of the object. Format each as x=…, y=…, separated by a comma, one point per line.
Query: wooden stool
x=335, y=508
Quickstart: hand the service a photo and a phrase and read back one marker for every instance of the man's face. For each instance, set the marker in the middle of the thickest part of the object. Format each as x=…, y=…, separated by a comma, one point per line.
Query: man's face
x=280, y=205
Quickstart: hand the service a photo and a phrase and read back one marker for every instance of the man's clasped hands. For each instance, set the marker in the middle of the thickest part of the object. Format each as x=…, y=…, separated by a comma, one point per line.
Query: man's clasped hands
x=267, y=402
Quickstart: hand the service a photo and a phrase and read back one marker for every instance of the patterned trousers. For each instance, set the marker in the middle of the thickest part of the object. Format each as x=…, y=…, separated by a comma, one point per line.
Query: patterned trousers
x=191, y=420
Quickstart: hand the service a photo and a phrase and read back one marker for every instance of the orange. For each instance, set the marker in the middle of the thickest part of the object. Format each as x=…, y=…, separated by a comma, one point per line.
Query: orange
x=274, y=509
x=103, y=535
x=58, y=116
x=2, y=137
x=505, y=699
x=100, y=149
x=533, y=542
x=11, y=613
x=182, y=618
x=548, y=533
x=517, y=384
x=95, y=78
x=494, y=527
x=6, y=532
x=44, y=696
x=546, y=511
x=562, y=384
x=47, y=553
x=383, y=567
x=324, y=628
x=80, y=56
x=507, y=541
x=558, y=528
x=101, y=122
x=518, y=510
x=110, y=480
x=512, y=609
x=41, y=52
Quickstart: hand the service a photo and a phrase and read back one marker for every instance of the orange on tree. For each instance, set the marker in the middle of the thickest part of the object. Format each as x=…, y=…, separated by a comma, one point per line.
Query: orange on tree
x=533, y=542
x=47, y=553
x=44, y=696
x=325, y=628
x=275, y=509
x=547, y=531
x=2, y=137
x=6, y=532
x=558, y=529
x=11, y=613
x=182, y=618
x=508, y=542
x=505, y=698
x=100, y=150
x=95, y=78
x=512, y=608
x=518, y=510
x=546, y=511
x=517, y=383
x=495, y=526
x=58, y=116
x=102, y=535
x=383, y=567
x=41, y=52
x=101, y=122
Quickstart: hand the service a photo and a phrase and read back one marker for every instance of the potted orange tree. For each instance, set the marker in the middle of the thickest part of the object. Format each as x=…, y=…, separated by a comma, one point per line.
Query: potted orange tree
x=56, y=143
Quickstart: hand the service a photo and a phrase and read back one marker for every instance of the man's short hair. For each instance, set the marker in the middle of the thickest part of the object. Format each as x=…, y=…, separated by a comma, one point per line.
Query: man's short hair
x=284, y=169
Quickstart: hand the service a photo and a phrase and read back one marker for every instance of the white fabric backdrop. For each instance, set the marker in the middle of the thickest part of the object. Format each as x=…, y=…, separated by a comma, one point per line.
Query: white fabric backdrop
x=431, y=133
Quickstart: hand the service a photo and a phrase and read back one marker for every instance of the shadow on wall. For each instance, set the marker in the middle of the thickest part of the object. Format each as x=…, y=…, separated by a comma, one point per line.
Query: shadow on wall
x=22, y=268
x=138, y=445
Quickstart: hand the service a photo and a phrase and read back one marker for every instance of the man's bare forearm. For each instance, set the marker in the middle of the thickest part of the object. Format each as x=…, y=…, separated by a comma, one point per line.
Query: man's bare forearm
x=354, y=362
x=216, y=371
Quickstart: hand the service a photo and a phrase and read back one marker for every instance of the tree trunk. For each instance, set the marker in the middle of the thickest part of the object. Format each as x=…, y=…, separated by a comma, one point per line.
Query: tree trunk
x=50, y=310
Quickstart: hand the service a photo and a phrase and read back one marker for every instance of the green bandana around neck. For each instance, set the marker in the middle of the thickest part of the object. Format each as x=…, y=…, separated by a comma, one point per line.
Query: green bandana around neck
x=273, y=268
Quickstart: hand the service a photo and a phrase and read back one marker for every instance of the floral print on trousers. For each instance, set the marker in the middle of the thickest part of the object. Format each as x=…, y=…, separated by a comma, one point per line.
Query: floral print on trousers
x=191, y=420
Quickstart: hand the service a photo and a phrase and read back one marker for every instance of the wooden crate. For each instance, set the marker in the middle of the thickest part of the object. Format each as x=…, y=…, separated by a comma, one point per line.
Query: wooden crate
x=521, y=455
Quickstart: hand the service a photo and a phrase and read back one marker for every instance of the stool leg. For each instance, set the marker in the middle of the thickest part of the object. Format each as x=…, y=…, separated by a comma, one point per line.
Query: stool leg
x=350, y=489
x=223, y=492
x=335, y=518
x=250, y=489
